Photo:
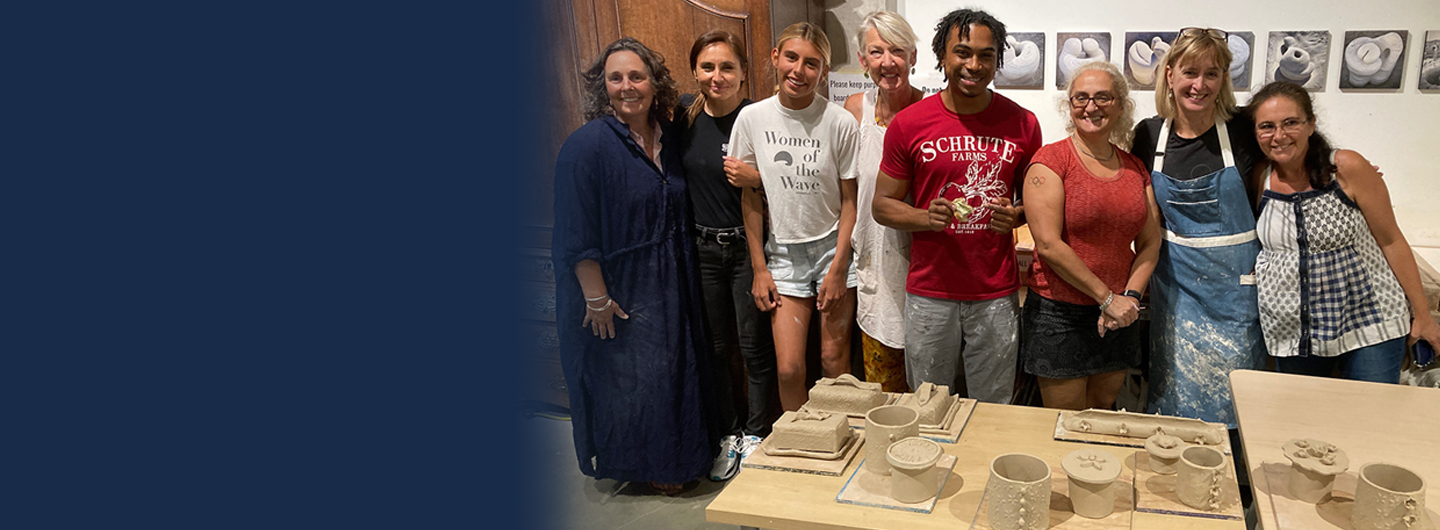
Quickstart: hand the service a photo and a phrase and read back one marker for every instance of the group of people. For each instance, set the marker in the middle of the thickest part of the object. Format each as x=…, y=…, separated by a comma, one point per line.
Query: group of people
x=689, y=228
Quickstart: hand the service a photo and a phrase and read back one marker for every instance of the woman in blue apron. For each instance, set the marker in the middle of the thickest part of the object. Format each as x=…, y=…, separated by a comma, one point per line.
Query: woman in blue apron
x=1204, y=320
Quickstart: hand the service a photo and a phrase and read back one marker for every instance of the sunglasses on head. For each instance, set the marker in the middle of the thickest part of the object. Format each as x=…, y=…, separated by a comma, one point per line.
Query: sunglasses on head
x=1217, y=34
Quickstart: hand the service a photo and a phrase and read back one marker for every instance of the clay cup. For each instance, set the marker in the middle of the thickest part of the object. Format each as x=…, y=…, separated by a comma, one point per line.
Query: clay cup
x=885, y=425
x=1018, y=493
x=1198, y=480
x=1387, y=497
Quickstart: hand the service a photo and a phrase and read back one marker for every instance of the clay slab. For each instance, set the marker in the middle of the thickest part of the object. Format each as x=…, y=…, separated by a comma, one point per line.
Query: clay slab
x=809, y=466
x=1063, y=517
x=950, y=436
x=1064, y=435
x=1155, y=493
x=868, y=489
x=1294, y=514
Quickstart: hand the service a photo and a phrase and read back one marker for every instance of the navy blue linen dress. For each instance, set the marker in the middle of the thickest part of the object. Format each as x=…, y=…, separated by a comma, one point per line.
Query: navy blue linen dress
x=635, y=400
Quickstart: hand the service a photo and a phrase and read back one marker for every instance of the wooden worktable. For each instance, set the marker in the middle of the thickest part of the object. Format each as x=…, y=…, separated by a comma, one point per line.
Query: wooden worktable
x=780, y=500
x=1371, y=422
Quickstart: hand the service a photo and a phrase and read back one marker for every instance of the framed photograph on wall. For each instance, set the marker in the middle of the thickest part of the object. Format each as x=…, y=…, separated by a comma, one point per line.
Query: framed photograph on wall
x=1373, y=59
x=1145, y=57
x=1241, y=43
x=1299, y=57
x=1077, y=48
x=1430, y=62
x=1024, y=61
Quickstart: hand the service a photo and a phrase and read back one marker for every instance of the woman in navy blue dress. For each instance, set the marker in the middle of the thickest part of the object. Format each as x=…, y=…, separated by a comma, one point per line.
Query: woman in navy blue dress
x=626, y=291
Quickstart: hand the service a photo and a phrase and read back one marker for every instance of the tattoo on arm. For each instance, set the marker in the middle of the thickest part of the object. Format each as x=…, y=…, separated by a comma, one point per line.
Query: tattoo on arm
x=1037, y=180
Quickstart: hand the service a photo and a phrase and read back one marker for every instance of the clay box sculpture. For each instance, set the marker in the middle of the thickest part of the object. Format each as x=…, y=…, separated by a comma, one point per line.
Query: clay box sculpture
x=935, y=405
x=1313, y=466
x=1164, y=452
x=815, y=434
x=1092, y=474
x=1144, y=426
x=845, y=395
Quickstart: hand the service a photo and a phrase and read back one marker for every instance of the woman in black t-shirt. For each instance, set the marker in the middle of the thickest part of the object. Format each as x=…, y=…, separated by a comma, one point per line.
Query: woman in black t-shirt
x=703, y=123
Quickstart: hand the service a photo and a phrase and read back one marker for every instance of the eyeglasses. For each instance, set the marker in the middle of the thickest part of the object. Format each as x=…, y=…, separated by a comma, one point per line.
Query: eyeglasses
x=1102, y=99
x=1217, y=34
x=1266, y=130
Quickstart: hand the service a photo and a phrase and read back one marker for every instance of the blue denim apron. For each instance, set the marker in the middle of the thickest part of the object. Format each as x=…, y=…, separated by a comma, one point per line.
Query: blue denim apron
x=1204, y=316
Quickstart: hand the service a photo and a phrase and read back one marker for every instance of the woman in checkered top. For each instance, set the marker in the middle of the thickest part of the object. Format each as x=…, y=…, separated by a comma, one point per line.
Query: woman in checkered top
x=1338, y=285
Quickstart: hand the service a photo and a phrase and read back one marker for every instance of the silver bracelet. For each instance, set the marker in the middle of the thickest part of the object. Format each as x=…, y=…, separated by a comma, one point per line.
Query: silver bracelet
x=598, y=298
x=1108, y=299
x=601, y=308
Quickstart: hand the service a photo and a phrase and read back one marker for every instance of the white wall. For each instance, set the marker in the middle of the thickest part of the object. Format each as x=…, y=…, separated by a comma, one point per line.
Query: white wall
x=1399, y=131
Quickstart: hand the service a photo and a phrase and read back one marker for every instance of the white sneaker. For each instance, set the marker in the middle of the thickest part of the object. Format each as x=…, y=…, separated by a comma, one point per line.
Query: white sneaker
x=749, y=444
x=727, y=463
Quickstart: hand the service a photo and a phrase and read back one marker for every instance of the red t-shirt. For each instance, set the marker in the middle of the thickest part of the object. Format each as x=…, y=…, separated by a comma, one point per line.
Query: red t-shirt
x=1102, y=219
x=973, y=158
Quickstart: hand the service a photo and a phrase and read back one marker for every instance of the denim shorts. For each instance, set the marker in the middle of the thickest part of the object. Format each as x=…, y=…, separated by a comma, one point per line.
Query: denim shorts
x=798, y=268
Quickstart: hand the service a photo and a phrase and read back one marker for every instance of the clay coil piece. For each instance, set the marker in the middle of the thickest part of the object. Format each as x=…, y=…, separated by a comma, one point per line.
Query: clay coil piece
x=1313, y=467
x=1164, y=452
x=1387, y=497
x=1092, y=474
x=885, y=425
x=845, y=395
x=1018, y=493
x=808, y=433
x=1198, y=481
x=935, y=405
x=912, y=461
x=1143, y=426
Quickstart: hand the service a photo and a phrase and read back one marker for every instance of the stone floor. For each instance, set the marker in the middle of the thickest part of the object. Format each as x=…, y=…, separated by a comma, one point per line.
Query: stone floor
x=606, y=504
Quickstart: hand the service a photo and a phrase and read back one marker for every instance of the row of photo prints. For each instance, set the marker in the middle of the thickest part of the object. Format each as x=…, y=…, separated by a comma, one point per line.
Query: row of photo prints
x=1369, y=59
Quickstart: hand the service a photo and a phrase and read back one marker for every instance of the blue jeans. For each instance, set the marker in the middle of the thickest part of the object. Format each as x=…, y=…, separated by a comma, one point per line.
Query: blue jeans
x=1377, y=363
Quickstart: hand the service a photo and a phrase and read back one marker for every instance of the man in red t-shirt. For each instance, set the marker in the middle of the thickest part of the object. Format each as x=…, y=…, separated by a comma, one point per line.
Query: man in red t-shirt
x=959, y=153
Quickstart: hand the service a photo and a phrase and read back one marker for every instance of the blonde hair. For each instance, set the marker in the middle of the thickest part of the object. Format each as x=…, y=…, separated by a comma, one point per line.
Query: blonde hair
x=811, y=34
x=1189, y=48
x=1123, y=130
x=891, y=27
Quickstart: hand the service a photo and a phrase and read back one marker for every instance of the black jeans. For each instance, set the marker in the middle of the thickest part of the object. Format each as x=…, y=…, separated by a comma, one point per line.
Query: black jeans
x=734, y=323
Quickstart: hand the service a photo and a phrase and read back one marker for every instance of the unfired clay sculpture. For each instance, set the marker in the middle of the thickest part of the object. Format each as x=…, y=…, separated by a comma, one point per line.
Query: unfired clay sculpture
x=935, y=405
x=1370, y=61
x=1387, y=497
x=1092, y=474
x=1164, y=452
x=1144, y=57
x=845, y=395
x=912, y=462
x=1018, y=493
x=1313, y=466
x=1143, y=426
x=1201, y=472
x=1022, y=60
x=813, y=434
x=885, y=425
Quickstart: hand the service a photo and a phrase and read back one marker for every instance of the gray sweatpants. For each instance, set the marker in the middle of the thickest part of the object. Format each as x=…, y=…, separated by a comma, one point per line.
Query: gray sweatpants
x=986, y=334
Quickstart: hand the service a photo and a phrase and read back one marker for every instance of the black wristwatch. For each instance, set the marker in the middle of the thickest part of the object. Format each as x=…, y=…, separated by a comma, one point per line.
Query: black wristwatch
x=1132, y=294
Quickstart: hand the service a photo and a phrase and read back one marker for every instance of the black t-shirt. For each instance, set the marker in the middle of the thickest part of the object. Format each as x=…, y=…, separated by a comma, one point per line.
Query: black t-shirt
x=1188, y=158
x=704, y=144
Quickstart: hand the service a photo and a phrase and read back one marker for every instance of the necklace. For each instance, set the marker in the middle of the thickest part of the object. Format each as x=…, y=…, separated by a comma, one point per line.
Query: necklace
x=1081, y=146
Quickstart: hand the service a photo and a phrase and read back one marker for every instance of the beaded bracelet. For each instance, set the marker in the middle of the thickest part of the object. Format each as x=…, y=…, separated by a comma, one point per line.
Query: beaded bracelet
x=1108, y=299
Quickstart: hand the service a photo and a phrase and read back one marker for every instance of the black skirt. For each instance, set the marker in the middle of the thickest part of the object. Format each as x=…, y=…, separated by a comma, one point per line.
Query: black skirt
x=1061, y=340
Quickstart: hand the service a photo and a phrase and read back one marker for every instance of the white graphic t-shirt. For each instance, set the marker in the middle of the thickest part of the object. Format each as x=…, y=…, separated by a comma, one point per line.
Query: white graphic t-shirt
x=802, y=156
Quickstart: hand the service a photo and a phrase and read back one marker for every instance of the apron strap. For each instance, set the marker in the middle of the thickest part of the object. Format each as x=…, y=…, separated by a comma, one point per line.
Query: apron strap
x=1163, y=141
